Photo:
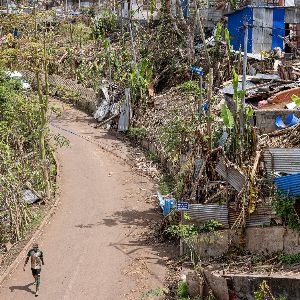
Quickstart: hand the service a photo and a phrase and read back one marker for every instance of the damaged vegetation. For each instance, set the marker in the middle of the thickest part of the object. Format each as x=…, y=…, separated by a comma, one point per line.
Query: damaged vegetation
x=22, y=170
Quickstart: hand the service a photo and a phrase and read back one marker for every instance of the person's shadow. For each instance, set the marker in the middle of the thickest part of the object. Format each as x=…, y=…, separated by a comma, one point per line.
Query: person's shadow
x=22, y=288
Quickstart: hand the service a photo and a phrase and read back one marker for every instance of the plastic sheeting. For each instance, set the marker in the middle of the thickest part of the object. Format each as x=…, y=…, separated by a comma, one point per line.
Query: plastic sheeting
x=103, y=109
x=166, y=204
x=30, y=197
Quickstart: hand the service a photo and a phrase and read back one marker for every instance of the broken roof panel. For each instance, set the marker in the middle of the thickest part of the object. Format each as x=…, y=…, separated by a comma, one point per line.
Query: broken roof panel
x=262, y=215
x=230, y=91
x=234, y=177
x=282, y=160
x=254, y=84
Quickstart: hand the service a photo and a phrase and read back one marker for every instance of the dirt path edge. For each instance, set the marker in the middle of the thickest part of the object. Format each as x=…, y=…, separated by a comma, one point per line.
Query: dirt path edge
x=38, y=232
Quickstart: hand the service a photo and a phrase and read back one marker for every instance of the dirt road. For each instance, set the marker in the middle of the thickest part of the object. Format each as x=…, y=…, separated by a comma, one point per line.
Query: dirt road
x=96, y=245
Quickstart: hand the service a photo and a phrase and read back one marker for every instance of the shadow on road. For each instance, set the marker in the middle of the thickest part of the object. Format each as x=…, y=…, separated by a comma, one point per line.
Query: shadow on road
x=150, y=238
x=22, y=288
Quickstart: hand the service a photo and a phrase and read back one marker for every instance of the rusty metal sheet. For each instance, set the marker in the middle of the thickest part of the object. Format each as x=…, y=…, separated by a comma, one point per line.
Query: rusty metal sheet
x=233, y=176
x=262, y=215
x=282, y=160
x=201, y=213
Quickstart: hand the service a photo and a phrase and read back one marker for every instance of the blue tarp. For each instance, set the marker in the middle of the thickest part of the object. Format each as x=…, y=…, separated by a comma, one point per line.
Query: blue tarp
x=289, y=185
x=165, y=203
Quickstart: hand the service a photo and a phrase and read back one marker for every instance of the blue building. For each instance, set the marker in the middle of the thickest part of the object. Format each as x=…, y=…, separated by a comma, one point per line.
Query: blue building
x=266, y=28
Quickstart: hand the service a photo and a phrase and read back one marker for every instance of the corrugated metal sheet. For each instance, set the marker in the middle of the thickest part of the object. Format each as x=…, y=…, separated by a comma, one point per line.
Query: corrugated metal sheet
x=125, y=113
x=262, y=215
x=234, y=177
x=201, y=213
x=282, y=160
x=289, y=185
x=262, y=29
x=250, y=86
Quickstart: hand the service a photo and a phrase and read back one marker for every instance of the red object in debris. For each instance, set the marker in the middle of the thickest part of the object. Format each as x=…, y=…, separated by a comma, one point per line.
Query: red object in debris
x=232, y=296
x=262, y=103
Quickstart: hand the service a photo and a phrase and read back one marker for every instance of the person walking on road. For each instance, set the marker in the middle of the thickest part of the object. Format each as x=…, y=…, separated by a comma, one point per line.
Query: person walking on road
x=37, y=260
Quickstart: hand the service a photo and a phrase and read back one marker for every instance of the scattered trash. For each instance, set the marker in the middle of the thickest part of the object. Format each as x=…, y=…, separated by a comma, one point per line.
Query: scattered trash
x=279, y=123
x=291, y=120
x=103, y=109
x=167, y=203
x=30, y=197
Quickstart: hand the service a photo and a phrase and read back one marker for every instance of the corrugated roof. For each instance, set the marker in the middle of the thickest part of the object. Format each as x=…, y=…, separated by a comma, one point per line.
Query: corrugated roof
x=201, y=213
x=289, y=185
x=234, y=177
x=282, y=160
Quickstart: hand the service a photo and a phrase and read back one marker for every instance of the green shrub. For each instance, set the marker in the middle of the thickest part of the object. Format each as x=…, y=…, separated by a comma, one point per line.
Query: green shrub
x=182, y=290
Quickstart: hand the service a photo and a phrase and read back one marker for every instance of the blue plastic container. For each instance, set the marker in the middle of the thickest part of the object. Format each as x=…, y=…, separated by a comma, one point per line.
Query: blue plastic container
x=292, y=120
x=279, y=123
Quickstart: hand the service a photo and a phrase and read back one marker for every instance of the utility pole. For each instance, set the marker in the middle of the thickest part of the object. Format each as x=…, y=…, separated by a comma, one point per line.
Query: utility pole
x=245, y=61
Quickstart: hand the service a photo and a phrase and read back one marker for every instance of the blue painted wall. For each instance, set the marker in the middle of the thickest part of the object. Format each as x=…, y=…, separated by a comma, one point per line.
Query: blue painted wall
x=236, y=28
x=278, y=27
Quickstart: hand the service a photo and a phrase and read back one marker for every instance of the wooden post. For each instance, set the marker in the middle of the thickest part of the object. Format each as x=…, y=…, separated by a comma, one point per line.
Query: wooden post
x=200, y=97
x=209, y=100
x=181, y=242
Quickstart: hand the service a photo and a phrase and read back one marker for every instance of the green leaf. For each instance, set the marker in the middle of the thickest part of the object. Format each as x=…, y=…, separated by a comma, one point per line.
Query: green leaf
x=227, y=116
x=106, y=44
x=249, y=112
x=296, y=99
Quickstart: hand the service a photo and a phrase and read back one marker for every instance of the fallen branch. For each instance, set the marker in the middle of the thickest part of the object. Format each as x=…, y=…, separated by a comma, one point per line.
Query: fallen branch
x=106, y=121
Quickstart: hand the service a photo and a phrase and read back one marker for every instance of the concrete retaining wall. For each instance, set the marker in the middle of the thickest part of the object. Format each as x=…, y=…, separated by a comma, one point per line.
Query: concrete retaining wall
x=242, y=287
x=245, y=286
x=265, y=241
x=265, y=118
